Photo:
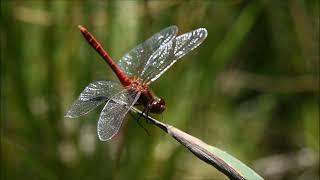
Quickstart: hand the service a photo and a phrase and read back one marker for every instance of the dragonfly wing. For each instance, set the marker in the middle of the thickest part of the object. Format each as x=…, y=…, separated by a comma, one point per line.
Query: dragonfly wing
x=169, y=53
x=114, y=112
x=92, y=96
x=98, y=89
x=80, y=108
x=133, y=62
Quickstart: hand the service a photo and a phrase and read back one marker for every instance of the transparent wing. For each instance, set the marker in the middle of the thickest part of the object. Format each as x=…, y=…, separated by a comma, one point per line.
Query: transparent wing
x=114, y=112
x=169, y=53
x=92, y=96
x=133, y=62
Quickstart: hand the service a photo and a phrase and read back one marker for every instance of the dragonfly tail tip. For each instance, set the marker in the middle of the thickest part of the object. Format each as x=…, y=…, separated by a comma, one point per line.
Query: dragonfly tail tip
x=81, y=27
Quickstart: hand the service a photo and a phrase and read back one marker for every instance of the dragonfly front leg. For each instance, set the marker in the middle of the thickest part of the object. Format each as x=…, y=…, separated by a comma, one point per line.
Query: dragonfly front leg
x=147, y=115
x=138, y=121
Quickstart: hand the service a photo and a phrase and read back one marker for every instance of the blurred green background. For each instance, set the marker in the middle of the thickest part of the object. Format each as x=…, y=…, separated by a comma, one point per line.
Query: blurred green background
x=251, y=89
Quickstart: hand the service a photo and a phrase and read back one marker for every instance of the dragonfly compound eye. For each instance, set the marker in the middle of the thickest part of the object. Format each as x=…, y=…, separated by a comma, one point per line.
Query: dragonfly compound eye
x=157, y=106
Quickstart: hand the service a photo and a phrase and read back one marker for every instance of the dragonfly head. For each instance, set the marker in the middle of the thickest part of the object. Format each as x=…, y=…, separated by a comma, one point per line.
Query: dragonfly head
x=157, y=106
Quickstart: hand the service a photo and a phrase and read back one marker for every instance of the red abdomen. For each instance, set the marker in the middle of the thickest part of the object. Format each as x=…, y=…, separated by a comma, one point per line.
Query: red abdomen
x=124, y=79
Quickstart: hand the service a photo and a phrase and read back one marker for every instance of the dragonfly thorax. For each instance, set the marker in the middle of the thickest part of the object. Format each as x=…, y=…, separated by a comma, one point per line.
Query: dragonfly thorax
x=137, y=85
x=147, y=97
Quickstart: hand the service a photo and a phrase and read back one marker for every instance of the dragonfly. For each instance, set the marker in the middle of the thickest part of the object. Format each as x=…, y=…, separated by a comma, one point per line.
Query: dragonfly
x=136, y=70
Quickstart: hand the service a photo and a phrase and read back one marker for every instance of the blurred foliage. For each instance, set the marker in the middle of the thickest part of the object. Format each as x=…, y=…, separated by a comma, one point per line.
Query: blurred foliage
x=252, y=88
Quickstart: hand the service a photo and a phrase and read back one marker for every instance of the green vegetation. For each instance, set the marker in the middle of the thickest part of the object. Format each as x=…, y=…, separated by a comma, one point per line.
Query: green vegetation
x=251, y=88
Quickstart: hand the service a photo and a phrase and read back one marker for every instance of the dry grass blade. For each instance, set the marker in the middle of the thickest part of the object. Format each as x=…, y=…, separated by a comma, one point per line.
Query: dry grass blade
x=222, y=161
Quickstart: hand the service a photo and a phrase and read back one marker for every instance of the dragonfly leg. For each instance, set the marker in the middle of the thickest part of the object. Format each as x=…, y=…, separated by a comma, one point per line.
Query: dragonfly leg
x=147, y=113
x=140, y=115
x=138, y=121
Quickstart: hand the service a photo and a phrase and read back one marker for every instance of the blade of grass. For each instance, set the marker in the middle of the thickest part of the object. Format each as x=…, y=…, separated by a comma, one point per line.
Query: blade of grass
x=222, y=161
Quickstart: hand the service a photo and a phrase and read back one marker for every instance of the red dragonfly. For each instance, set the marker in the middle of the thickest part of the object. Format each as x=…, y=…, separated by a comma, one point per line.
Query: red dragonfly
x=136, y=70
